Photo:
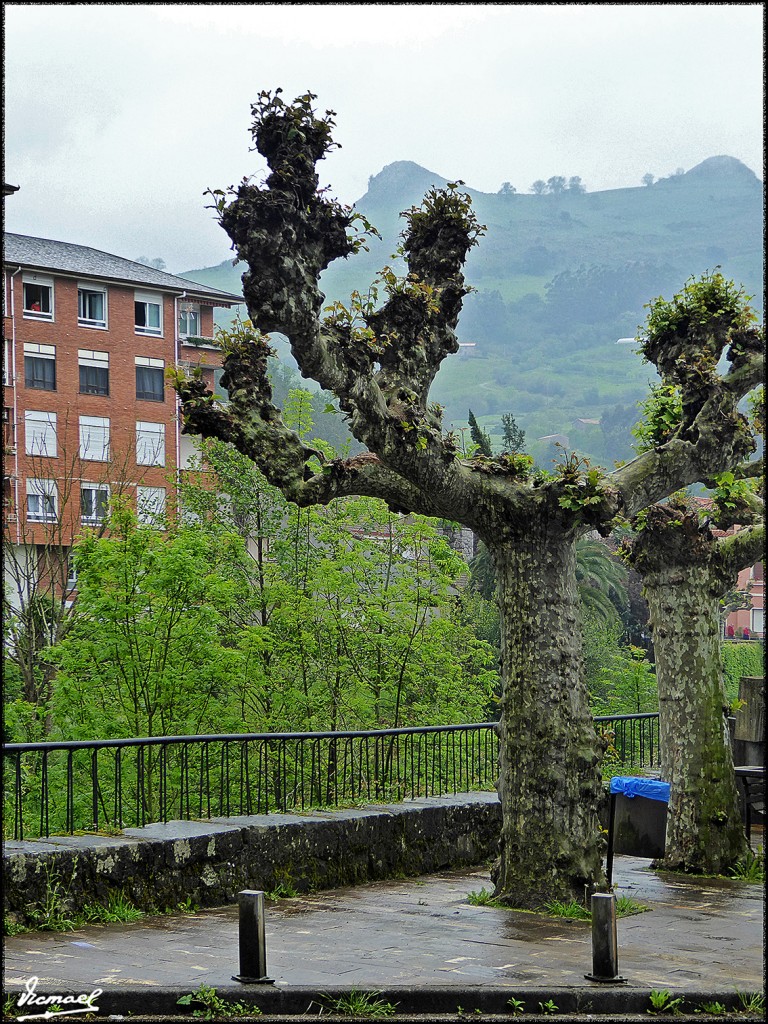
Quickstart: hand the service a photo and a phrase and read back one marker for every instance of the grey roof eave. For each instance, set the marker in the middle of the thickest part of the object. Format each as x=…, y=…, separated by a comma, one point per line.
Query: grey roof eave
x=70, y=260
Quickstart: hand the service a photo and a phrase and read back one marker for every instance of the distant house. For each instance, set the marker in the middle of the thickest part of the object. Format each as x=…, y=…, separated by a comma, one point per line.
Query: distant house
x=555, y=439
x=751, y=583
x=584, y=424
x=467, y=349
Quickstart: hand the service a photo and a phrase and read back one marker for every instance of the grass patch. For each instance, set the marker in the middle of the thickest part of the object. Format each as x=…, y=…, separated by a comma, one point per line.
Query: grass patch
x=751, y=868
x=213, y=1007
x=360, y=1004
x=625, y=906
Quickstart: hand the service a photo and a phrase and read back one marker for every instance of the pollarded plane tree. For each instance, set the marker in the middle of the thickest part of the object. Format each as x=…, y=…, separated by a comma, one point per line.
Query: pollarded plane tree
x=688, y=563
x=380, y=361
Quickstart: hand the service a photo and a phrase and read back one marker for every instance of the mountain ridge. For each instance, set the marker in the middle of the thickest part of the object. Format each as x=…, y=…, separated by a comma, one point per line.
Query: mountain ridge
x=557, y=279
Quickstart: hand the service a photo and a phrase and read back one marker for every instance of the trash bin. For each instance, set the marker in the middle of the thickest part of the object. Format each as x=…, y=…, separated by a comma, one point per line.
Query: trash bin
x=637, y=823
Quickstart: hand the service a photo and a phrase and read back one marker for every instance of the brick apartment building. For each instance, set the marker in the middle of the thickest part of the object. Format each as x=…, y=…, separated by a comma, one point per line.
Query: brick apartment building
x=87, y=413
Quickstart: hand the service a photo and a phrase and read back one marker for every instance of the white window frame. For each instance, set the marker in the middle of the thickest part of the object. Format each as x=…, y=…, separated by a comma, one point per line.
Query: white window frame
x=150, y=443
x=45, y=489
x=91, y=357
x=91, y=322
x=35, y=351
x=149, y=299
x=94, y=519
x=40, y=436
x=154, y=364
x=150, y=505
x=40, y=281
x=185, y=308
x=7, y=364
x=757, y=621
x=94, y=438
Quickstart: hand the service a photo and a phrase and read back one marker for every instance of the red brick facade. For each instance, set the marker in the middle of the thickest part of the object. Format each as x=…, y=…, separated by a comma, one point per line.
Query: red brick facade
x=107, y=375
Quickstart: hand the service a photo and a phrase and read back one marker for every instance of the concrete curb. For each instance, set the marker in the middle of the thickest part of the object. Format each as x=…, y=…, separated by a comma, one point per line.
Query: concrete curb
x=299, y=1000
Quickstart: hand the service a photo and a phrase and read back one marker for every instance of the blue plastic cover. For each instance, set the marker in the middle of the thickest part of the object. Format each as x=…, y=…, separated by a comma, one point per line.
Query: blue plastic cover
x=632, y=786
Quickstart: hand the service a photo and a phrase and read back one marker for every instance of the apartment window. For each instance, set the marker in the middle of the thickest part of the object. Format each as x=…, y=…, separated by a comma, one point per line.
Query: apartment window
x=94, y=503
x=149, y=314
x=7, y=365
x=150, y=444
x=189, y=320
x=758, y=621
x=40, y=367
x=71, y=571
x=9, y=430
x=94, y=438
x=756, y=573
x=150, y=379
x=150, y=505
x=91, y=306
x=40, y=433
x=37, y=296
x=94, y=371
x=41, y=501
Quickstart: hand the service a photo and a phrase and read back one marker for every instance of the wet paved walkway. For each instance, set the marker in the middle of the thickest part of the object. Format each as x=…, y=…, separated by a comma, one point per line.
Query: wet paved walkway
x=701, y=935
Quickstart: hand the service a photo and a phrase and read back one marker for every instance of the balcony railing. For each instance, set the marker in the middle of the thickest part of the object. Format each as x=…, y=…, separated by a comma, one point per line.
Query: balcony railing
x=90, y=785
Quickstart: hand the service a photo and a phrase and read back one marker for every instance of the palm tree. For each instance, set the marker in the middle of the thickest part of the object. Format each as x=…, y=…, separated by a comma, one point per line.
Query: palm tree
x=601, y=578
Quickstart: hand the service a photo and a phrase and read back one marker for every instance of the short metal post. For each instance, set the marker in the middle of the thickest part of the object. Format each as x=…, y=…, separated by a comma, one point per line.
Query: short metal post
x=253, y=943
x=605, y=955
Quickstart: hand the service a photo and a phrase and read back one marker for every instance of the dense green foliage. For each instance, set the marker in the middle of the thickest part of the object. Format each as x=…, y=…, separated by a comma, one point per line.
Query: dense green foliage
x=252, y=614
x=741, y=658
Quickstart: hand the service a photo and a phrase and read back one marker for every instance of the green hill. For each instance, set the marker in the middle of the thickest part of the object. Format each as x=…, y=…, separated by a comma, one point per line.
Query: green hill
x=559, y=278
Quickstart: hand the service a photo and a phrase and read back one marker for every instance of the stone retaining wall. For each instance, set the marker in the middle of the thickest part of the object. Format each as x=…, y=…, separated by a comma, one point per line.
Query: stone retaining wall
x=209, y=862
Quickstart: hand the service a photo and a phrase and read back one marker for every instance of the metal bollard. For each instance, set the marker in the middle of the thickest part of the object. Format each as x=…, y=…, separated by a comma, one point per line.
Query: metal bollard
x=605, y=955
x=253, y=943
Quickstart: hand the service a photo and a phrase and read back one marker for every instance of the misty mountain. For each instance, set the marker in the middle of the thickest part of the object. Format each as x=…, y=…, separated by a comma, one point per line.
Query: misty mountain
x=558, y=279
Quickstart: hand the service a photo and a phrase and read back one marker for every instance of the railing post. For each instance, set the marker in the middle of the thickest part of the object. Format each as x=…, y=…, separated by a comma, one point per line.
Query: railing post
x=252, y=939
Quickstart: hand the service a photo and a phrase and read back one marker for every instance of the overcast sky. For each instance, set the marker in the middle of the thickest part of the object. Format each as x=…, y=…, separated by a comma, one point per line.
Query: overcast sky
x=119, y=117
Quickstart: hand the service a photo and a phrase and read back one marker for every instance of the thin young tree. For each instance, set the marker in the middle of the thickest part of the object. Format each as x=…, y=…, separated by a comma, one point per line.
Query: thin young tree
x=380, y=361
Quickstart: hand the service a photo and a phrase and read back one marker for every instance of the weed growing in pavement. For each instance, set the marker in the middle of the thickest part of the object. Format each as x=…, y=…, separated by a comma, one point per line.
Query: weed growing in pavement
x=517, y=1006
x=118, y=910
x=360, y=1004
x=715, y=1009
x=625, y=906
x=549, y=1007
x=752, y=1002
x=214, y=1007
x=284, y=890
x=750, y=868
x=662, y=1002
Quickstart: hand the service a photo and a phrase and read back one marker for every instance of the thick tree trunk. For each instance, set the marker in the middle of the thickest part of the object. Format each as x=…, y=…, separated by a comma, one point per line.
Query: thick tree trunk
x=549, y=784
x=704, y=828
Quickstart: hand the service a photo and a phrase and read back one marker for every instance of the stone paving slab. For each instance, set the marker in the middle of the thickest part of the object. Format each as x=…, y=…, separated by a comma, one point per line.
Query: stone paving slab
x=700, y=935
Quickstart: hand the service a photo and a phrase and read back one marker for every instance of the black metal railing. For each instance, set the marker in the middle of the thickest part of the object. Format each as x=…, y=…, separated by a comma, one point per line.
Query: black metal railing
x=89, y=785
x=633, y=742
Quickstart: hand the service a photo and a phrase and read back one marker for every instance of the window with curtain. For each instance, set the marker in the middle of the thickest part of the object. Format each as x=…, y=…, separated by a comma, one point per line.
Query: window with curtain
x=94, y=372
x=150, y=383
x=41, y=500
x=91, y=307
x=40, y=372
x=94, y=501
